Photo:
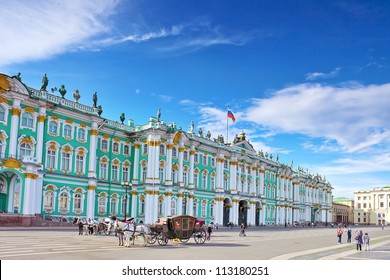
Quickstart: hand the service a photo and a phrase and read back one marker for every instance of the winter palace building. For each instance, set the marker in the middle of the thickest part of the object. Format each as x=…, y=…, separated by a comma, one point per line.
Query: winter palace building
x=61, y=158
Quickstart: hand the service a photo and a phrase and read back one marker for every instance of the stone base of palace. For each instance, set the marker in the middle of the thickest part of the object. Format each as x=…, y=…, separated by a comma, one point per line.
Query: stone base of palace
x=17, y=220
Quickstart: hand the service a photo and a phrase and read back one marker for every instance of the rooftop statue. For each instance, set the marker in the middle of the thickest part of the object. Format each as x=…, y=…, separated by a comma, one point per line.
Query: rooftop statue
x=208, y=135
x=62, y=91
x=192, y=126
x=45, y=82
x=158, y=114
x=200, y=132
x=76, y=95
x=122, y=117
x=100, y=110
x=94, y=99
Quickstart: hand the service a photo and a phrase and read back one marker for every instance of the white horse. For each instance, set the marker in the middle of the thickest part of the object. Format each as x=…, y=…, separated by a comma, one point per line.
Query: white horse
x=132, y=231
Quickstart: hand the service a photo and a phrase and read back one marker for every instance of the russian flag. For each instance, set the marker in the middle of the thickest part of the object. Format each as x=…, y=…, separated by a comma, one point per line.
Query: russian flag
x=231, y=115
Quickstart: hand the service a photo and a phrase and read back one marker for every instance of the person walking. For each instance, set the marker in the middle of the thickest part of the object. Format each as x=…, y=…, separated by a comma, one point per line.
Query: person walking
x=242, y=230
x=366, y=240
x=209, y=231
x=359, y=240
x=349, y=235
x=339, y=234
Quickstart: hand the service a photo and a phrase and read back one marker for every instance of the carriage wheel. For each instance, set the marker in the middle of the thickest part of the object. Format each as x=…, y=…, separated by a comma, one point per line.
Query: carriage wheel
x=152, y=239
x=200, y=236
x=162, y=240
x=184, y=240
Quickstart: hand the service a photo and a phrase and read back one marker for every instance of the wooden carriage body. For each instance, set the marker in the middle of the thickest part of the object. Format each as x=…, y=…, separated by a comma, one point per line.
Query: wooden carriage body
x=181, y=227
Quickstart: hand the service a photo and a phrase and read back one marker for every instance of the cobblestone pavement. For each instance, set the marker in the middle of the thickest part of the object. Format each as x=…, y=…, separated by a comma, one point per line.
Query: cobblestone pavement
x=265, y=243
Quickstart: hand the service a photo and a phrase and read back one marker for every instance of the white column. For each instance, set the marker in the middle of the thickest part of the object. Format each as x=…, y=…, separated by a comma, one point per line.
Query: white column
x=168, y=166
x=41, y=128
x=168, y=200
x=134, y=201
x=219, y=172
x=13, y=140
x=91, y=198
x=29, y=193
x=92, y=151
x=38, y=192
x=233, y=175
x=191, y=171
x=136, y=163
x=190, y=202
x=263, y=212
x=180, y=175
x=262, y=171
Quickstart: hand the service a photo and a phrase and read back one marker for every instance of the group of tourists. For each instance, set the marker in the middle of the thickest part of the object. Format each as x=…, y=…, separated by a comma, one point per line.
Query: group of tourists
x=359, y=238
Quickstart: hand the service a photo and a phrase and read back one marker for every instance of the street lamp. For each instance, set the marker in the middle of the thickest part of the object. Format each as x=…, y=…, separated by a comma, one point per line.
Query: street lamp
x=285, y=213
x=126, y=185
x=185, y=202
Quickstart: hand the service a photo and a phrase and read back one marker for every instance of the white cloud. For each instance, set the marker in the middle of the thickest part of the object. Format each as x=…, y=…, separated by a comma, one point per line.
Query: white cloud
x=318, y=75
x=355, y=117
x=47, y=28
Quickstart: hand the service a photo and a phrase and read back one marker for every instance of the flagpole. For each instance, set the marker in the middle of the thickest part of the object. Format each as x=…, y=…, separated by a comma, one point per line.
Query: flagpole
x=227, y=126
x=227, y=129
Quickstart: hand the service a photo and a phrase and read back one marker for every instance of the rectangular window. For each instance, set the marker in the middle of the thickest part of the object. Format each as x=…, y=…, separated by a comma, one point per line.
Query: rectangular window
x=79, y=163
x=103, y=170
x=125, y=174
x=66, y=161
x=51, y=159
x=114, y=176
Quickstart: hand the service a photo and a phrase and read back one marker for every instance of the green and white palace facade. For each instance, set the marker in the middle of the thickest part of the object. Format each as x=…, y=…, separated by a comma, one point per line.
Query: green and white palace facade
x=61, y=158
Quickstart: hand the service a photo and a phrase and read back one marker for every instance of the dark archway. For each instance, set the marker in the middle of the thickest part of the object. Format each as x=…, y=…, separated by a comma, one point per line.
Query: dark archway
x=226, y=211
x=242, y=212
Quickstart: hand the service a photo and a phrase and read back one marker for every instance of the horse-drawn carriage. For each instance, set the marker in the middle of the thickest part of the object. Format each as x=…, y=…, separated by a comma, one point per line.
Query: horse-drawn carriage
x=178, y=227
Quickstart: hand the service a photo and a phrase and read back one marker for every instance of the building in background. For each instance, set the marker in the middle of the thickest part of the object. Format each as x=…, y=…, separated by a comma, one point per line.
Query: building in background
x=343, y=210
x=372, y=207
x=61, y=158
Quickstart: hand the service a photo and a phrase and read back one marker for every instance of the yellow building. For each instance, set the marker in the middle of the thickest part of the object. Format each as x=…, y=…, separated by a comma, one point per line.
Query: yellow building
x=372, y=207
x=343, y=210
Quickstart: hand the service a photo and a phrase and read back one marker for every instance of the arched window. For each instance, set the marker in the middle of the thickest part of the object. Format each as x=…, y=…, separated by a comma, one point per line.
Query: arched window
x=102, y=205
x=212, y=182
x=25, y=150
x=212, y=210
x=80, y=163
x=126, y=150
x=203, y=210
x=204, y=181
x=144, y=173
x=27, y=120
x=104, y=145
x=195, y=208
x=161, y=174
x=51, y=159
x=113, y=205
x=49, y=200
x=77, y=202
x=53, y=127
x=174, y=152
x=162, y=150
x=103, y=170
x=185, y=155
x=66, y=157
x=115, y=147
x=64, y=200
x=67, y=131
x=81, y=134
x=160, y=207
x=141, y=208
x=145, y=149
x=173, y=207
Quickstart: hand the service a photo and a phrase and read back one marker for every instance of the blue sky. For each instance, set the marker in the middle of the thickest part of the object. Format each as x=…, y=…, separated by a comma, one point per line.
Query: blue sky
x=307, y=80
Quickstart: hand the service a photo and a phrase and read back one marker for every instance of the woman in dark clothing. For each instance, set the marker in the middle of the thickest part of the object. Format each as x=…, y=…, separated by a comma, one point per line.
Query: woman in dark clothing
x=359, y=240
